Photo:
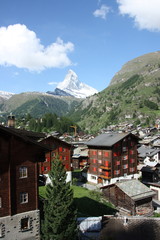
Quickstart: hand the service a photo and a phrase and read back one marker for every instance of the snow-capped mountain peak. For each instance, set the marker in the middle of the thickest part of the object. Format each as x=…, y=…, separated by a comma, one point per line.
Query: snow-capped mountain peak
x=6, y=95
x=74, y=87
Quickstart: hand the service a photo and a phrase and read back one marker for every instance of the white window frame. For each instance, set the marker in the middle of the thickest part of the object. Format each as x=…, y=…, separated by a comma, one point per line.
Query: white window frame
x=23, y=172
x=23, y=198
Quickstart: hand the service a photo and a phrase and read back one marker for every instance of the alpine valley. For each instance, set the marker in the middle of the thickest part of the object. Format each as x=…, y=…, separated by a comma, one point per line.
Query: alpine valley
x=133, y=96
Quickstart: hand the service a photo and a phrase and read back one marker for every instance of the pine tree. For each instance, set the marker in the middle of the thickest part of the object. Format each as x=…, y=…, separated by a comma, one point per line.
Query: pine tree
x=59, y=210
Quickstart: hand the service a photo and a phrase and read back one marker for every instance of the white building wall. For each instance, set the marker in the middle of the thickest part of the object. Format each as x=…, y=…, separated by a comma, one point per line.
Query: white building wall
x=94, y=179
x=68, y=179
x=157, y=189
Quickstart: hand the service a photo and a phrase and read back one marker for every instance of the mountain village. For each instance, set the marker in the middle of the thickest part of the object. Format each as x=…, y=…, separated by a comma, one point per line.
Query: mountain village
x=121, y=162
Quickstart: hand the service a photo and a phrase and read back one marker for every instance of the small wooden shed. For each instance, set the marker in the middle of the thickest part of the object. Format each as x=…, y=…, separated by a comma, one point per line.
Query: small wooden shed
x=131, y=196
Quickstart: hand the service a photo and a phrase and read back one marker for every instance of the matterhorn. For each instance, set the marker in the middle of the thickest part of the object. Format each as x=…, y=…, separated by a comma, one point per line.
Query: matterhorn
x=73, y=87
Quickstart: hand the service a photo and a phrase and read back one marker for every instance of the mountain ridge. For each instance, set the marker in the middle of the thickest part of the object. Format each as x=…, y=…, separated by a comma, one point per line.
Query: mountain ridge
x=133, y=96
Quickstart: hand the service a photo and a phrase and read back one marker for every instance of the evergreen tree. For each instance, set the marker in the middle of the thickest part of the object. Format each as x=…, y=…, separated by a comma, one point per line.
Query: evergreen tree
x=59, y=211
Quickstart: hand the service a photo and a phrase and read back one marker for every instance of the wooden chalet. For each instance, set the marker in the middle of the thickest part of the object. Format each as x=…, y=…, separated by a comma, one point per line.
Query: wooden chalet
x=19, y=157
x=80, y=157
x=58, y=148
x=131, y=197
x=112, y=157
x=151, y=174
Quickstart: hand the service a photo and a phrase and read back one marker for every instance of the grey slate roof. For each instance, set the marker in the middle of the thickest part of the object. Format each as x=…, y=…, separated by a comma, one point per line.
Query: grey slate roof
x=107, y=139
x=135, y=189
x=81, y=151
x=144, y=151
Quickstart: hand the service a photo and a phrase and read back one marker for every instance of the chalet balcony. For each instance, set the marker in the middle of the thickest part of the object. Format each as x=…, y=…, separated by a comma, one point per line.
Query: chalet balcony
x=108, y=176
x=105, y=167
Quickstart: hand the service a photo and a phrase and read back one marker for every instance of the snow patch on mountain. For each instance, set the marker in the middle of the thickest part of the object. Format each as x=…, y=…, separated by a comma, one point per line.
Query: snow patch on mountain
x=74, y=87
x=6, y=95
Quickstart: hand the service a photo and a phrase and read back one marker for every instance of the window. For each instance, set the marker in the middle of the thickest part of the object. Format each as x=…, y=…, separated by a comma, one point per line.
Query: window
x=93, y=177
x=94, y=169
x=60, y=149
x=117, y=172
x=117, y=163
x=25, y=224
x=125, y=166
x=124, y=149
x=125, y=157
x=106, y=154
x=23, y=197
x=132, y=169
x=94, y=153
x=116, y=154
x=100, y=153
x=23, y=172
x=0, y=202
x=131, y=152
x=94, y=161
x=132, y=160
x=107, y=164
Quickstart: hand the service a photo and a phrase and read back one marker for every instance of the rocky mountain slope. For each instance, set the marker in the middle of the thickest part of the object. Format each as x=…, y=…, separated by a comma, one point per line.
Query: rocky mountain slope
x=146, y=65
x=133, y=96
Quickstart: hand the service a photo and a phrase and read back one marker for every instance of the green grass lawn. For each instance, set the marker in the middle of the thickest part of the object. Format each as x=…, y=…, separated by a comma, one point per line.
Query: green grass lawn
x=89, y=203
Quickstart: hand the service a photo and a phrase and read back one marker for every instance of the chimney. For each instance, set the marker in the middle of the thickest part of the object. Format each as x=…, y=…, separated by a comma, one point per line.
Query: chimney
x=11, y=121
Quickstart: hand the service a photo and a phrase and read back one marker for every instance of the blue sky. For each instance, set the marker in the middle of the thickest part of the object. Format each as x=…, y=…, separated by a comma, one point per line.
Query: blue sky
x=40, y=40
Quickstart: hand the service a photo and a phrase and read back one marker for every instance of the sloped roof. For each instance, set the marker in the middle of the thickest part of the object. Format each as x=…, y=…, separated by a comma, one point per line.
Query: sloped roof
x=107, y=139
x=135, y=189
x=30, y=134
x=144, y=151
x=23, y=137
x=81, y=151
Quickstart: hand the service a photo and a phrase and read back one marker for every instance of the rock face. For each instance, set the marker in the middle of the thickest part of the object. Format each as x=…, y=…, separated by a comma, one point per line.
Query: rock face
x=145, y=65
x=72, y=86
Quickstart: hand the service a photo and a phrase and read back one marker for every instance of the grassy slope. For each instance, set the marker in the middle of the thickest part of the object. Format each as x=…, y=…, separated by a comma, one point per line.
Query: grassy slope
x=112, y=104
x=89, y=203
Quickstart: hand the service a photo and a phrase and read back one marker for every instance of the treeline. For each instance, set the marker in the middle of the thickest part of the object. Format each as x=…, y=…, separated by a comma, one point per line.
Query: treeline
x=49, y=122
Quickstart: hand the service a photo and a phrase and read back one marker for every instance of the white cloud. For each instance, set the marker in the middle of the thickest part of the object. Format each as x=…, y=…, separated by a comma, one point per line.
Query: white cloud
x=101, y=12
x=16, y=73
x=20, y=47
x=52, y=83
x=144, y=12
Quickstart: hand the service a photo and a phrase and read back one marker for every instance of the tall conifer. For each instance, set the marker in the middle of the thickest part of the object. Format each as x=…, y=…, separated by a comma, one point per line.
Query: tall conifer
x=59, y=210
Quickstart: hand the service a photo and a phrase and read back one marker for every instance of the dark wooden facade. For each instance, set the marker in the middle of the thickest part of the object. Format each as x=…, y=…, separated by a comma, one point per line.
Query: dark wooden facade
x=151, y=174
x=141, y=205
x=58, y=148
x=18, y=188
x=114, y=161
